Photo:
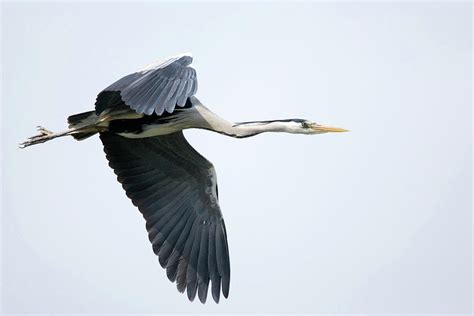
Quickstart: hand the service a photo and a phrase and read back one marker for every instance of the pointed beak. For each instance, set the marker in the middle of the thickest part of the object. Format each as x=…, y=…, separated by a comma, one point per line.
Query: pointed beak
x=327, y=129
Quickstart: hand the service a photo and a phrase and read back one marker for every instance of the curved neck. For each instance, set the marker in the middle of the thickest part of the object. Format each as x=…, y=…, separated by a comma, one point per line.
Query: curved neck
x=210, y=121
x=247, y=129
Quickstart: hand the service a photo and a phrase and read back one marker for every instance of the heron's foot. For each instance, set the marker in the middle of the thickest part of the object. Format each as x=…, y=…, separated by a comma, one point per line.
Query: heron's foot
x=43, y=131
x=43, y=136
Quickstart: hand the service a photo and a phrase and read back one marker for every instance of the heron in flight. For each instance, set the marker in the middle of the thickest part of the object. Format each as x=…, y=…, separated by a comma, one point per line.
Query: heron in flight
x=140, y=119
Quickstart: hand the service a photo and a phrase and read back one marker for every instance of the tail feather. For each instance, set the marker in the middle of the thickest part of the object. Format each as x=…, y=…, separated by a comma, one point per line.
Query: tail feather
x=84, y=118
x=80, y=123
x=83, y=135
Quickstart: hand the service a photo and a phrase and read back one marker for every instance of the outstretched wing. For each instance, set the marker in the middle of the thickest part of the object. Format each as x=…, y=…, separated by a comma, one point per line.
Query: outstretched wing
x=175, y=189
x=156, y=88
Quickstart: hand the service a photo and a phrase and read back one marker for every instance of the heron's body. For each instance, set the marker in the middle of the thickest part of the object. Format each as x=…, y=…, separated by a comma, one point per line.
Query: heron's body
x=129, y=124
x=140, y=119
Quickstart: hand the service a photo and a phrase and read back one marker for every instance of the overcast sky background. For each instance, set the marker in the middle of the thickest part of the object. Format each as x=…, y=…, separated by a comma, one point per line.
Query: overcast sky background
x=375, y=220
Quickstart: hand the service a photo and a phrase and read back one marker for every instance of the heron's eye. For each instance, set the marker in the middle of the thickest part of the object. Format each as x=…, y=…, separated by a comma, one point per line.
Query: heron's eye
x=304, y=125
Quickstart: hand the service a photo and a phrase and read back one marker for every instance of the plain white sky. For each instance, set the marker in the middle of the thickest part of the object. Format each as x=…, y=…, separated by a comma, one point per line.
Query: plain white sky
x=376, y=220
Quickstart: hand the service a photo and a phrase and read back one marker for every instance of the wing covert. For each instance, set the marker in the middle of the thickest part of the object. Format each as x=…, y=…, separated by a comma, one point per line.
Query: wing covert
x=175, y=189
x=156, y=88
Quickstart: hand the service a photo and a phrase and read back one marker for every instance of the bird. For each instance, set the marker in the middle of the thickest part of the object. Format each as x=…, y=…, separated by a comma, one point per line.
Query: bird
x=140, y=120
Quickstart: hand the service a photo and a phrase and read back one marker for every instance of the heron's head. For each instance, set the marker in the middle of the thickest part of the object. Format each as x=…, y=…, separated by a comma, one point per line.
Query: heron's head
x=301, y=126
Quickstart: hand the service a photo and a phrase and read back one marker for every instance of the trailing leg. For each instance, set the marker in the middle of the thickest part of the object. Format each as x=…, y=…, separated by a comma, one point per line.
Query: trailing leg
x=44, y=136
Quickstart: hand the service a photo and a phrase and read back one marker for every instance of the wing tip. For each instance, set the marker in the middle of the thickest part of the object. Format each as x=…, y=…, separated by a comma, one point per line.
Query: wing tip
x=167, y=60
x=189, y=54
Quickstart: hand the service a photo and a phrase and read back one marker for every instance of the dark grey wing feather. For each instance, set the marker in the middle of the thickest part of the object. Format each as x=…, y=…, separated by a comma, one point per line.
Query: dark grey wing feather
x=175, y=189
x=173, y=260
x=157, y=88
x=202, y=270
x=191, y=274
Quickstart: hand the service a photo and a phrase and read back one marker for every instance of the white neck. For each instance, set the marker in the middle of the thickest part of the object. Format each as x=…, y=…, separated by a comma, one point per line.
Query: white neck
x=246, y=129
x=210, y=121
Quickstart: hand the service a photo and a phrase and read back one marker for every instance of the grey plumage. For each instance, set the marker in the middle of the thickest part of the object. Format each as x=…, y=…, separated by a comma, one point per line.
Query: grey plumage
x=191, y=273
x=202, y=269
x=140, y=119
x=173, y=259
x=168, y=181
x=157, y=88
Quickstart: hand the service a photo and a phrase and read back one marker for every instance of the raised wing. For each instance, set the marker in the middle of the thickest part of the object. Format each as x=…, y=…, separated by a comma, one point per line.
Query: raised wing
x=175, y=189
x=156, y=88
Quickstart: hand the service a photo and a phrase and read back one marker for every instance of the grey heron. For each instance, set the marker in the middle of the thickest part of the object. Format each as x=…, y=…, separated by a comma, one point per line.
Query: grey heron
x=140, y=119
